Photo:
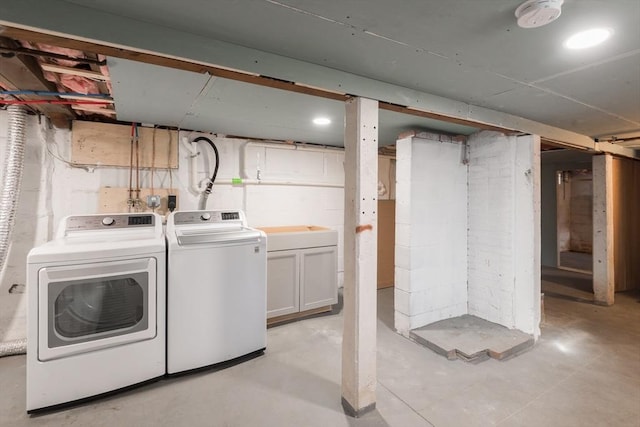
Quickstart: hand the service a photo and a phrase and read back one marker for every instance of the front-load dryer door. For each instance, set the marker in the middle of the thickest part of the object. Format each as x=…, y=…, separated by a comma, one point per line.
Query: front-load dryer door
x=88, y=307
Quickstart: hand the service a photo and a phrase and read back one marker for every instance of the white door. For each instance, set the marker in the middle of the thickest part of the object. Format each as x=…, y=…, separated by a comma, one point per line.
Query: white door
x=85, y=307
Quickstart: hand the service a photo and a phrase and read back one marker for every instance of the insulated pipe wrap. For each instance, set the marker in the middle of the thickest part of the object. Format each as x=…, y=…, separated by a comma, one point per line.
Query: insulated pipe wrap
x=11, y=177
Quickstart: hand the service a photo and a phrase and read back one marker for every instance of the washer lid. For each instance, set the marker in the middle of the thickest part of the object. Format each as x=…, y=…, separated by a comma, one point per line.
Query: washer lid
x=199, y=236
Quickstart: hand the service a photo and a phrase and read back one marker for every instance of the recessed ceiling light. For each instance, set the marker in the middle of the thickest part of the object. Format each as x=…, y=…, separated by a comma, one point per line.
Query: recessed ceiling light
x=589, y=38
x=321, y=121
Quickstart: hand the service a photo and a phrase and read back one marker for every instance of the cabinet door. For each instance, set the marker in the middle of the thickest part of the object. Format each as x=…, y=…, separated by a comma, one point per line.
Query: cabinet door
x=283, y=283
x=318, y=277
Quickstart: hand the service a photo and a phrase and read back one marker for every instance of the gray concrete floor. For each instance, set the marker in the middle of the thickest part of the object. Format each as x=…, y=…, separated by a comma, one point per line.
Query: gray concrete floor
x=577, y=260
x=472, y=339
x=584, y=371
x=567, y=284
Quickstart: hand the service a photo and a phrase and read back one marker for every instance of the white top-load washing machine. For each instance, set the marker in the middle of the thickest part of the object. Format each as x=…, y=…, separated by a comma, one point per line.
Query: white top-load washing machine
x=216, y=289
x=96, y=308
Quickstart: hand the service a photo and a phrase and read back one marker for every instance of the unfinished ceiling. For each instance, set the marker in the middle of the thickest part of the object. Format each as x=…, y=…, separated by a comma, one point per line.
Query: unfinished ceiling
x=465, y=50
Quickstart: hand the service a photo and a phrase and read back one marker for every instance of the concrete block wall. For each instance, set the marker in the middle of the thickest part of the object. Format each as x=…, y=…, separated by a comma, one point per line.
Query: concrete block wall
x=431, y=231
x=32, y=227
x=504, y=230
x=52, y=190
x=468, y=236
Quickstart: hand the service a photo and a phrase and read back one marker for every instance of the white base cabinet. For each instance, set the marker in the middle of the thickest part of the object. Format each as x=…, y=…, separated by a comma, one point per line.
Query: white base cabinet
x=301, y=270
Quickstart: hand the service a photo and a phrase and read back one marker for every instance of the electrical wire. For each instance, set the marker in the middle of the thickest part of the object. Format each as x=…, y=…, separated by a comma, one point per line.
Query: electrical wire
x=49, y=142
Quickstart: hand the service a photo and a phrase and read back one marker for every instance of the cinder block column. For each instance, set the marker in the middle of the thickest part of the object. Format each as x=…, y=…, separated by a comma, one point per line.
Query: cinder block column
x=603, y=268
x=360, y=256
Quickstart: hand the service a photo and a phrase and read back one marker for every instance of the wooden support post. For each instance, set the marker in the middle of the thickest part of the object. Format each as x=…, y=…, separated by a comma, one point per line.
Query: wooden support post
x=603, y=266
x=360, y=256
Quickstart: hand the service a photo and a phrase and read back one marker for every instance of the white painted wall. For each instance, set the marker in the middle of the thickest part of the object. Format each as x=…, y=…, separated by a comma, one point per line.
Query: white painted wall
x=53, y=190
x=468, y=237
x=431, y=231
x=31, y=228
x=504, y=230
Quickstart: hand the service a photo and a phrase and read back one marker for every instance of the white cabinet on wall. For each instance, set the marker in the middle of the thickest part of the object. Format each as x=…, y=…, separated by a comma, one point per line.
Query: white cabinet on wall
x=301, y=270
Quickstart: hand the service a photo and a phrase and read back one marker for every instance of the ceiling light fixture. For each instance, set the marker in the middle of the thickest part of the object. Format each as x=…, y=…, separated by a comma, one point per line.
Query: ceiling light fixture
x=322, y=121
x=536, y=13
x=588, y=38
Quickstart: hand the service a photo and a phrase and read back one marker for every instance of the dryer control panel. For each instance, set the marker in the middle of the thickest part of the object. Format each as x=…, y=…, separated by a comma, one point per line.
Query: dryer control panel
x=208, y=217
x=101, y=222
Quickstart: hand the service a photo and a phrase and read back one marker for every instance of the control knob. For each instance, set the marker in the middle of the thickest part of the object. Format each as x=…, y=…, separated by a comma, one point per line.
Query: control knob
x=205, y=216
x=107, y=220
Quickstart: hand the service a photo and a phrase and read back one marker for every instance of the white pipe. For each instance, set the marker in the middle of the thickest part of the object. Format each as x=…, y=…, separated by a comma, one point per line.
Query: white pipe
x=276, y=182
x=195, y=187
x=192, y=148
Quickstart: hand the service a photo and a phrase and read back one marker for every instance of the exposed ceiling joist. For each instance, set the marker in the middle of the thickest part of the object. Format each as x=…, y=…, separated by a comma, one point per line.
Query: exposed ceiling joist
x=19, y=72
x=93, y=109
x=95, y=75
x=88, y=98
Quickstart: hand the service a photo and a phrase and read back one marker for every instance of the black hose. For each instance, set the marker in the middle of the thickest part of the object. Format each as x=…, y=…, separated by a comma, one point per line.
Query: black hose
x=215, y=170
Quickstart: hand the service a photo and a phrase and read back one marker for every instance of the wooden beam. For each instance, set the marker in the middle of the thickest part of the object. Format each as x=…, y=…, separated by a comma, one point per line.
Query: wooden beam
x=430, y=115
x=162, y=61
x=474, y=116
x=95, y=75
x=360, y=256
x=226, y=73
x=92, y=109
x=102, y=85
x=603, y=245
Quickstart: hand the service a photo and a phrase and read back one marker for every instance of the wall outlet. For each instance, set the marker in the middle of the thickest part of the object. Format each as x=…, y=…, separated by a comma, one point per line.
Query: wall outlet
x=153, y=201
x=172, y=202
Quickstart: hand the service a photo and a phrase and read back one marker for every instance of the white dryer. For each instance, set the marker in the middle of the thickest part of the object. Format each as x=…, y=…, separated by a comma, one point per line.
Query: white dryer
x=216, y=289
x=96, y=308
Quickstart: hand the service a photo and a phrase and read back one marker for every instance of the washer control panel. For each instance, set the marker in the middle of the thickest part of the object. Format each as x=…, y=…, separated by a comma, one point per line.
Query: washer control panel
x=204, y=217
x=101, y=222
